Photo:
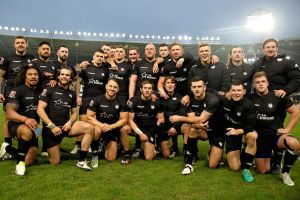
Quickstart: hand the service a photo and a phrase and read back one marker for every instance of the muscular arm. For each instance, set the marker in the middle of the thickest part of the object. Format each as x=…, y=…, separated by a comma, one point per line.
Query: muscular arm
x=12, y=114
x=78, y=86
x=2, y=81
x=42, y=113
x=132, y=85
x=294, y=117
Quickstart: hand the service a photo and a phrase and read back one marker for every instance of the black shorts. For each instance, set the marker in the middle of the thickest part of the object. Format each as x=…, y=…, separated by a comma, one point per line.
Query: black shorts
x=85, y=104
x=151, y=133
x=162, y=131
x=12, y=129
x=216, y=137
x=50, y=139
x=233, y=143
x=266, y=143
x=113, y=135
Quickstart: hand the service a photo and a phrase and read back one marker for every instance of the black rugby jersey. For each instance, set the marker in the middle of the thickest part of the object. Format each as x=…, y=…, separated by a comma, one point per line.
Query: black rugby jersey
x=27, y=100
x=238, y=114
x=45, y=67
x=122, y=74
x=145, y=111
x=59, y=101
x=94, y=80
x=269, y=109
x=12, y=65
x=107, y=111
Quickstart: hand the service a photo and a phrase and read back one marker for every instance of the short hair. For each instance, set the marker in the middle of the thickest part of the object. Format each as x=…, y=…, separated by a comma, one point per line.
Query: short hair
x=114, y=79
x=259, y=74
x=98, y=50
x=21, y=38
x=163, y=45
x=269, y=40
x=105, y=44
x=147, y=81
x=203, y=45
x=197, y=78
x=120, y=47
x=21, y=75
x=176, y=44
x=67, y=68
x=172, y=78
x=61, y=46
x=237, y=83
x=44, y=43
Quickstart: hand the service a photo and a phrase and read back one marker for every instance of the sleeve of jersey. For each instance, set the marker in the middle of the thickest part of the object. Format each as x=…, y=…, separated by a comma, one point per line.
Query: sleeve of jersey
x=46, y=94
x=134, y=68
x=93, y=105
x=13, y=97
x=293, y=75
x=74, y=102
x=131, y=108
x=212, y=104
x=4, y=63
x=249, y=120
x=226, y=80
x=164, y=70
x=286, y=103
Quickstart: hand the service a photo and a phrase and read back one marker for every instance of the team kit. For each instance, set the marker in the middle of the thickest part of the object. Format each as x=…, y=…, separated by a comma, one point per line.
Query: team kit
x=240, y=109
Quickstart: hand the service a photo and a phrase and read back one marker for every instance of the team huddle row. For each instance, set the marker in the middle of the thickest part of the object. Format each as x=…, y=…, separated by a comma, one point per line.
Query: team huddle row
x=155, y=99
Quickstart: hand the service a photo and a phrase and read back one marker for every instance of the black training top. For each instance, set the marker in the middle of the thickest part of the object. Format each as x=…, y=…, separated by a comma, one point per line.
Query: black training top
x=47, y=69
x=122, y=74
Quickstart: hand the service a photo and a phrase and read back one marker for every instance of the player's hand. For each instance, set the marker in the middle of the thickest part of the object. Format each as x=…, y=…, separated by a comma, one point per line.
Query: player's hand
x=56, y=131
x=52, y=83
x=227, y=95
x=204, y=125
x=84, y=64
x=155, y=68
x=114, y=67
x=160, y=121
x=163, y=94
x=179, y=62
x=106, y=127
x=2, y=98
x=174, y=118
x=31, y=123
x=67, y=126
x=79, y=101
x=153, y=97
x=221, y=93
x=214, y=59
x=280, y=93
x=172, y=131
x=283, y=131
x=129, y=103
x=143, y=137
x=185, y=100
x=232, y=131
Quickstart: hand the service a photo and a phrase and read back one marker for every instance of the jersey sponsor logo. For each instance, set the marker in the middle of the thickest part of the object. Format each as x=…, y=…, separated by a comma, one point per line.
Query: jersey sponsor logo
x=264, y=117
x=95, y=82
x=227, y=109
x=232, y=74
x=31, y=107
x=61, y=103
x=256, y=105
x=59, y=93
x=147, y=76
x=279, y=59
x=174, y=72
x=144, y=67
x=43, y=66
x=195, y=106
x=103, y=106
x=29, y=97
x=91, y=73
x=140, y=106
x=44, y=92
x=12, y=94
x=16, y=61
x=181, y=79
x=270, y=105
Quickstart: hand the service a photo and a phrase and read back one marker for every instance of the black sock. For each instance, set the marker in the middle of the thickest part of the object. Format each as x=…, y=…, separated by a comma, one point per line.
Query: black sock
x=246, y=160
x=44, y=148
x=276, y=158
x=184, y=147
x=175, y=143
x=191, y=150
x=8, y=140
x=95, y=147
x=11, y=150
x=78, y=143
x=82, y=155
x=138, y=143
x=23, y=147
x=289, y=160
x=127, y=154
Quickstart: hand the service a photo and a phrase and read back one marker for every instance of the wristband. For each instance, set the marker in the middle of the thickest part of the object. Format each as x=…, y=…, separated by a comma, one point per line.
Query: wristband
x=51, y=126
x=138, y=131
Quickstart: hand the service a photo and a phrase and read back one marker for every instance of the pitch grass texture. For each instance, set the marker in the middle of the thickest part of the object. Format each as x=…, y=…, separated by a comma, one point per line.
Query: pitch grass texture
x=158, y=179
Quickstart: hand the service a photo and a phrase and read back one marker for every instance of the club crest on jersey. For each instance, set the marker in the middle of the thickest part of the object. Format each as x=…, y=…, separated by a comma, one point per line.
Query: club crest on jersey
x=174, y=98
x=122, y=69
x=270, y=105
x=152, y=107
x=28, y=61
x=12, y=94
x=70, y=95
x=239, y=114
x=102, y=74
x=204, y=105
x=213, y=67
x=184, y=69
x=53, y=67
x=91, y=103
x=44, y=92
x=245, y=73
x=279, y=59
x=117, y=106
x=263, y=66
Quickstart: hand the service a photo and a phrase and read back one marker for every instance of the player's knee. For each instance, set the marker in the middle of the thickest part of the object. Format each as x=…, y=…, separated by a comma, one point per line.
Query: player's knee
x=26, y=134
x=125, y=130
